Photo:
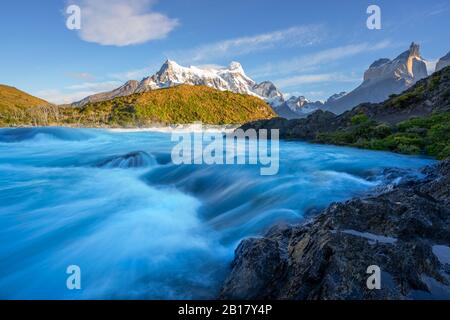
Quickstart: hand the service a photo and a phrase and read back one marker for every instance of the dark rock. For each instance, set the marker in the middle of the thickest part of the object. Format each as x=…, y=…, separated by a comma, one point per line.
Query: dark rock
x=137, y=159
x=328, y=257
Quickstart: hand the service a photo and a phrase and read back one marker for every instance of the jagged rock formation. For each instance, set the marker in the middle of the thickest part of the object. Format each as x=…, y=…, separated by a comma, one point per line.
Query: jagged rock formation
x=172, y=74
x=270, y=92
x=297, y=107
x=443, y=62
x=303, y=106
x=404, y=231
x=384, y=78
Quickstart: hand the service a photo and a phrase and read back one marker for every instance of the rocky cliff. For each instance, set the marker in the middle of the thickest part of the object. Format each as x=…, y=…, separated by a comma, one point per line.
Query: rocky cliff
x=383, y=78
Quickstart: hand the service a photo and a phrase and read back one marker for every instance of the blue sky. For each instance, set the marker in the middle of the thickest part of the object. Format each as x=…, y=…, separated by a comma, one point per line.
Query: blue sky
x=314, y=48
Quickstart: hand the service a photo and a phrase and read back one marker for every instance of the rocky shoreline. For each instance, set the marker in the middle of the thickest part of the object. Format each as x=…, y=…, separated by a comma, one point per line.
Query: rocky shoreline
x=403, y=229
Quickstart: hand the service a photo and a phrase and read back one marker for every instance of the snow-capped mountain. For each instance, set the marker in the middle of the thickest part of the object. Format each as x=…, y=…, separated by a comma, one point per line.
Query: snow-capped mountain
x=409, y=67
x=384, y=78
x=270, y=92
x=232, y=78
x=302, y=106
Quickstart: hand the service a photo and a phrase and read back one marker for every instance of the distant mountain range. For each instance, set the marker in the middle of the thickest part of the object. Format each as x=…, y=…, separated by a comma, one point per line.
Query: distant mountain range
x=383, y=78
x=172, y=74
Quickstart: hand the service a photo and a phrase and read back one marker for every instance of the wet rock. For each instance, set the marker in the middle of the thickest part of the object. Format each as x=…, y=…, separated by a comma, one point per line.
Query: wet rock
x=328, y=257
x=137, y=159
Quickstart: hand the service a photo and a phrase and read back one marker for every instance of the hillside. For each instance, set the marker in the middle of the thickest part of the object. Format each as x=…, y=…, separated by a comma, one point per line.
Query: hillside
x=176, y=105
x=12, y=97
x=16, y=105
x=416, y=121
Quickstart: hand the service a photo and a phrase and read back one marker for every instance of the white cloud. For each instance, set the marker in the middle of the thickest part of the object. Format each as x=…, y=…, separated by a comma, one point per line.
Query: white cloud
x=122, y=23
x=315, y=78
x=60, y=97
x=295, y=36
x=95, y=86
x=76, y=92
x=311, y=61
x=136, y=74
x=81, y=75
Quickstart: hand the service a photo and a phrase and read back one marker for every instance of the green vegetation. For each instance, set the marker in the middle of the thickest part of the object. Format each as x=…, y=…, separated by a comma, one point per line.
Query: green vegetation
x=407, y=98
x=426, y=135
x=181, y=104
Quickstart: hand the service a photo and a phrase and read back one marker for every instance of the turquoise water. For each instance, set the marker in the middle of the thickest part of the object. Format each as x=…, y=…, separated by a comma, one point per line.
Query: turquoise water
x=142, y=227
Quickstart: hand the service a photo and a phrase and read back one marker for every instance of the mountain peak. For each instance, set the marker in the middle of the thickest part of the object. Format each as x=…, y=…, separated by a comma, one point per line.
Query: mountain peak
x=236, y=66
x=412, y=52
x=414, y=49
x=170, y=62
x=169, y=65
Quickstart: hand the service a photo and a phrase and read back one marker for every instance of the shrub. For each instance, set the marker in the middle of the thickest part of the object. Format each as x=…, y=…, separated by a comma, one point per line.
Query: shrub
x=359, y=119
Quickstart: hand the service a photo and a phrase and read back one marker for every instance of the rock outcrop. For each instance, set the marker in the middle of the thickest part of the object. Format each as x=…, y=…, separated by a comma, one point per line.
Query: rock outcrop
x=404, y=230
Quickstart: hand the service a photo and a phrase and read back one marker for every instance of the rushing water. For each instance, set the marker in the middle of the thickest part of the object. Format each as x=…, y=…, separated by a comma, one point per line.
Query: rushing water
x=142, y=227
